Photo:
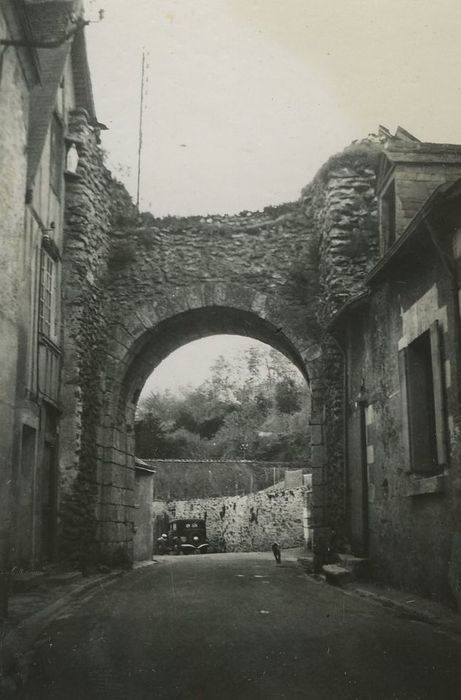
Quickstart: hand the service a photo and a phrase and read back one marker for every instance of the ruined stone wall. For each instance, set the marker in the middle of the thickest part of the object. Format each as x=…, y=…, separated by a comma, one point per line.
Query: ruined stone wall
x=268, y=251
x=93, y=202
x=250, y=523
x=342, y=207
x=288, y=267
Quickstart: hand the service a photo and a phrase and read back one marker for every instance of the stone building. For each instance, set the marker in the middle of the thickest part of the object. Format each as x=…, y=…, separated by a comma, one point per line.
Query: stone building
x=138, y=287
x=401, y=340
x=143, y=540
x=44, y=77
x=357, y=283
x=19, y=72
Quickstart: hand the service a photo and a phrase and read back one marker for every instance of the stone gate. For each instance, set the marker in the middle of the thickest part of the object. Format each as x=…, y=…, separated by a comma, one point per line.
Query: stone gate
x=137, y=288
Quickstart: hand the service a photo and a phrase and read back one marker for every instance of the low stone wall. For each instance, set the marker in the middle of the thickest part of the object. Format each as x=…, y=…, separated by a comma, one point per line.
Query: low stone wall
x=251, y=523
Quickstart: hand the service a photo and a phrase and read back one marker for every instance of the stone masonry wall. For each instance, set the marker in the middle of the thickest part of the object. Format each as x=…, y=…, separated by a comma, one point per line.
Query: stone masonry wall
x=269, y=251
x=128, y=276
x=250, y=523
x=91, y=210
x=14, y=116
x=342, y=205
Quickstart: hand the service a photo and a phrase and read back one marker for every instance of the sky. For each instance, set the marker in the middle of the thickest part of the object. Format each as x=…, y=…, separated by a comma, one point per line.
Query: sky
x=245, y=99
x=190, y=364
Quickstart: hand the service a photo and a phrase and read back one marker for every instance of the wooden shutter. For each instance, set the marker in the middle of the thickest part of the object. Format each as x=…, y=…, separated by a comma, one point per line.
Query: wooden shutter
x=403, y=373
x=438, y=385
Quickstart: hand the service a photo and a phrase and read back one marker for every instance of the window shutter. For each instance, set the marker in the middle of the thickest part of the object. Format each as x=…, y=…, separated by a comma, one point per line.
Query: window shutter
x=403, y=363
x=439, y=404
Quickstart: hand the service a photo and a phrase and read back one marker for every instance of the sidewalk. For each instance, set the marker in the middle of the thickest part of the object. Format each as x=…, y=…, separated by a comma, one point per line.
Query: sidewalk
x=408, y=605
x=404, y=603
x=32, y=610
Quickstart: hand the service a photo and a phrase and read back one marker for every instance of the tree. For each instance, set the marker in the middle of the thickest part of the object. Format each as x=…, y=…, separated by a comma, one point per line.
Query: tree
x=252, y=407
x=287, y=396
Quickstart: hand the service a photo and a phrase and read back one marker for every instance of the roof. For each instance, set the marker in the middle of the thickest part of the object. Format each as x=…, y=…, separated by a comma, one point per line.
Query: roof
x=417, y=231
x=42, y=103
x=49, y=21
x=351, y=306
x=82, y=78
x=449, y=191
x=143, y=466
x=404, y=148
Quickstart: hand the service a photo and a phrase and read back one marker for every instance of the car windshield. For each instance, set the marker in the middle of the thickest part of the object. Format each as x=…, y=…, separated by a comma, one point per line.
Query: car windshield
x=192, y=526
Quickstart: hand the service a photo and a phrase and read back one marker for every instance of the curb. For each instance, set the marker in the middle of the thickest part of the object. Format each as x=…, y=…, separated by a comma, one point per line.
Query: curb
x=448, y=624
x=452, y=626
x=18, y=641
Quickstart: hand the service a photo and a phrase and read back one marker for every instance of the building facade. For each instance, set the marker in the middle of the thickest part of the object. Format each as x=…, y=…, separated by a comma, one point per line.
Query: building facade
x=401, y=340
x=44, y=78
x=135, y=288
x=19, y=72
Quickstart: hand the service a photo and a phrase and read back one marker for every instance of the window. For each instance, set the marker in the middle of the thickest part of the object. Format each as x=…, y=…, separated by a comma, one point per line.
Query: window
x=423, y=404
x=388, y=217
x=48, y=315
x=56, y=155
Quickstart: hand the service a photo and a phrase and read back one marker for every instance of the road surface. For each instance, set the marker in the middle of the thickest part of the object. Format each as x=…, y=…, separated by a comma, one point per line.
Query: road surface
x=236, y=626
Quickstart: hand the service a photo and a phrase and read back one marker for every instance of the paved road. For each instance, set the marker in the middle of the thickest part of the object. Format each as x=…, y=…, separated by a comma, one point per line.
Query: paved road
x=238, y=627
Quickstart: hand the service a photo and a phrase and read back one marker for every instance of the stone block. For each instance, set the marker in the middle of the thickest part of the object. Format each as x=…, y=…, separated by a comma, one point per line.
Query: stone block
x=423, y=486
x=317, y=456
x=336, y=575
x=316, y=435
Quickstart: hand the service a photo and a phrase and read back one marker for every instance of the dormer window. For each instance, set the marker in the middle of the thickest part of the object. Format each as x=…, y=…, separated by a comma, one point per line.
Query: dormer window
x=387, y=216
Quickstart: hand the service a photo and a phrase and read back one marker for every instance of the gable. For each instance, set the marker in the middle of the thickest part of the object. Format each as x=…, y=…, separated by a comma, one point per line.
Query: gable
x=50, y=20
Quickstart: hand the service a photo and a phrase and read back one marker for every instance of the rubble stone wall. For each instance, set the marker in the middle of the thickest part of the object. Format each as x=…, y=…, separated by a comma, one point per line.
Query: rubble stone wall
x=138, y=287
x=91, y=211
x=250, y=523
x=341, y=204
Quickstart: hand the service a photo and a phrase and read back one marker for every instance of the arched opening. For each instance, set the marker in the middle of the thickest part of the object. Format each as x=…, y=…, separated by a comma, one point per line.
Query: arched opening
x=132, y=358
x=230, y=450
x=156, y=344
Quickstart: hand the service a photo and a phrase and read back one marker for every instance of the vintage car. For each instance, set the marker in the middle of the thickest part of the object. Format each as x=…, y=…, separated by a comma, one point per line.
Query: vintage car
x=187, y=536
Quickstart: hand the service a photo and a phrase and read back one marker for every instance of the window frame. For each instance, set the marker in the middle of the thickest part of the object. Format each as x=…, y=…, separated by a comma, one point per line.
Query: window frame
x=439, y=409
x=388, y=215
x=49, y=302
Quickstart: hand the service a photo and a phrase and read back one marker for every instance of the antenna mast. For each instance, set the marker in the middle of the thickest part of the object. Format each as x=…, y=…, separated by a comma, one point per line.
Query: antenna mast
x=141, y=107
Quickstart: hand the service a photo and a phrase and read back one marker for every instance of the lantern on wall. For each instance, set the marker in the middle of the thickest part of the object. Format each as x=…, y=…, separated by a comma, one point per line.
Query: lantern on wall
x=72, y=159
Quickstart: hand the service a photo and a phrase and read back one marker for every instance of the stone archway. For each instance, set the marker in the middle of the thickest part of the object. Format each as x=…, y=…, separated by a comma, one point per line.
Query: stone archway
x=133, y=283
x=139, y=344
